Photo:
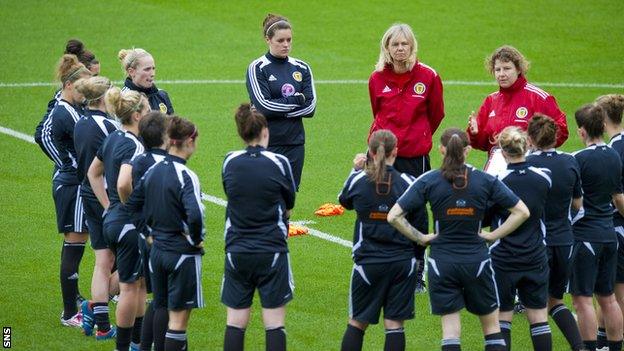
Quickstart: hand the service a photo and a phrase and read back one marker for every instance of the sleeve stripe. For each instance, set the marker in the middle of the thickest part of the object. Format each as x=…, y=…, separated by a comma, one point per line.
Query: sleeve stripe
x=257, y=93
x=230, y=157
x=46, y=138
x=276, y=159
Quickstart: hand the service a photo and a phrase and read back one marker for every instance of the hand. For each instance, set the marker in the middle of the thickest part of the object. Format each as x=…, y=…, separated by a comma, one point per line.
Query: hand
x=200, y=245
x=472, y=123
x=427, y=238
x=149, y=240
x=303, y=98
x=359, y=161
x=487, y=236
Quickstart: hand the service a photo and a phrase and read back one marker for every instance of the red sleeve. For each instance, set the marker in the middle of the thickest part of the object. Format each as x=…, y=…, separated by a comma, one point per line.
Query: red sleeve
x=371, y=93
x=436, y=104
x=481, y=140
x=554, y=112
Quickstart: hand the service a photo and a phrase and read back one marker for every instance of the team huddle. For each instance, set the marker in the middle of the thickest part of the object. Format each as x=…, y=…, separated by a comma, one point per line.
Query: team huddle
x=556, y=220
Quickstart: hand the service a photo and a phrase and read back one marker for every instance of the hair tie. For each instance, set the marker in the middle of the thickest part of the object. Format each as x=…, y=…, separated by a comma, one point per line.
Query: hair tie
x=266, y=32
x=73, y=74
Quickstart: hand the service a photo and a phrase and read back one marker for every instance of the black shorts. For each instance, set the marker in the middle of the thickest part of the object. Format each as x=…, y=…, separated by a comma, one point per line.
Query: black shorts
x=93, y=211
x=559, y=265
x=453, y=286
x=296, y=157
x=127, y=246
x=69, y=211
x=531, y=286
x=176, y=280
x=593, y=268
x=385, y=285
x=270, y=273
x=619, y=275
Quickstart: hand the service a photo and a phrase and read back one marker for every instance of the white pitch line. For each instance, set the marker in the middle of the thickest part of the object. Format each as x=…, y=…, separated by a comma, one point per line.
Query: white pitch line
x=210, y=198
x=17, y=134
x=317, y=233
x=339, y=81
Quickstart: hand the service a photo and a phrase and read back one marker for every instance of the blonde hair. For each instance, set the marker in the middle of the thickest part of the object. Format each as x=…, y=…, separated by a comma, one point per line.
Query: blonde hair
x=69, y=69
x=130, y=58
x=94, y=88
x=123, y=104
x=507, y=53
x=613, y=104
x=513, y=141
x=392, y=32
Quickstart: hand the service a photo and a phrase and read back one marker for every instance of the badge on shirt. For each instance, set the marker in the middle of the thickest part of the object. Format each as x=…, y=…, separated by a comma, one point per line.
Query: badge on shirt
x=297, y=76
x=288, y=90
x=522, y=112
x=419, y=88
x=163, y=107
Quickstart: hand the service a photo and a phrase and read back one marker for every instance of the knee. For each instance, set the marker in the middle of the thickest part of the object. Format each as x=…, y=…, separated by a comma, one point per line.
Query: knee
x=360, y=325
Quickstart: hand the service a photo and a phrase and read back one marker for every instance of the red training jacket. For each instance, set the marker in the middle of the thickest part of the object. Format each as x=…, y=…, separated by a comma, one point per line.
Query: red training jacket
x=515, y=106
x=409, y=104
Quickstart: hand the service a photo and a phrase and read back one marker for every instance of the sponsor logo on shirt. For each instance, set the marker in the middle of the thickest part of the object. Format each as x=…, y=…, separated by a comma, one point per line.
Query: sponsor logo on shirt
x=419, y=88
x=522, y=112
x=460, y=209
x=163, y=107
x=492, y=114
x=460, y=203
x=297, y=76
x=386, y=89
x=288, y=90
x=272, y=78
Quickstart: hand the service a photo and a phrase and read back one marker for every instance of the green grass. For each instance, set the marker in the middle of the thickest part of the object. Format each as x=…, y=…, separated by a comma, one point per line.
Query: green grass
x=575, y=41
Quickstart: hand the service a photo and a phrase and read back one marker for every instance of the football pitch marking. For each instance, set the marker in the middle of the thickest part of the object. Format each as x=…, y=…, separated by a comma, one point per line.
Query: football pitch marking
x=335, y=82
x=210, y=198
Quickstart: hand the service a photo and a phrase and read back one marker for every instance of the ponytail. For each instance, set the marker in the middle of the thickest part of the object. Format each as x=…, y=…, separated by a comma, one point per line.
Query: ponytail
x=381, y=144
x=453, y=166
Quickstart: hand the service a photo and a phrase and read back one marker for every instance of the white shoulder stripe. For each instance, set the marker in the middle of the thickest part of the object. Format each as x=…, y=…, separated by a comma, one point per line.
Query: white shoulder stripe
x=297, y=62
x=429, y=67
x=139, y=149
x=540, y=94
x=538, y=89
x=502, y=175
x=257, y=92
x=544, y=172
x=355, y=180
x=407, y=178
x=280, y=164
x=230, y=157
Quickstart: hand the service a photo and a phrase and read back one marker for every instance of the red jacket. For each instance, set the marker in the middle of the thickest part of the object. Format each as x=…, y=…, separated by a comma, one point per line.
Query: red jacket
x=408, y=104
x=514, y=106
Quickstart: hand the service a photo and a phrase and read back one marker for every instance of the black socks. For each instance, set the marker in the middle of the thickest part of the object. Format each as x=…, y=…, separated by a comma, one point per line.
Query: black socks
x=71, y=255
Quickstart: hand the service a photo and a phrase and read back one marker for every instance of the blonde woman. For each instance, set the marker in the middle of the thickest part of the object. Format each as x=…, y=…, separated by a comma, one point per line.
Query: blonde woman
x=140, y=70
x=406, y=98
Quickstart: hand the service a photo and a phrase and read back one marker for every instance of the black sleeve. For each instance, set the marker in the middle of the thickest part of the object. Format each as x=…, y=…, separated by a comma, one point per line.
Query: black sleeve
x=260, y=95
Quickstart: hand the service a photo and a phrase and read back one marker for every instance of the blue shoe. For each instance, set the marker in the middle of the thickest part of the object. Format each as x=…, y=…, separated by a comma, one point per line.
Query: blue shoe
x=105, y=335
x=88, y=318
x=135, y=347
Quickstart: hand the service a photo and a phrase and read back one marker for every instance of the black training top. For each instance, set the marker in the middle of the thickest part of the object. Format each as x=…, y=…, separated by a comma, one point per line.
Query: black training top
x=374, y=239
x=601, y=177
x=260, y=189
x=458, y=211
x=169, y=195
x=525, y=247
x=158, y=99
x=566, y=185
x=272, y=83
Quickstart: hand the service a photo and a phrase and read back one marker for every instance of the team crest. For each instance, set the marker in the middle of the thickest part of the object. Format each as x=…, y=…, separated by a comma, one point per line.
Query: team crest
x=297, y=76
x=163, y=107
x=288, y=90
x=522, y=112
x=419, y=88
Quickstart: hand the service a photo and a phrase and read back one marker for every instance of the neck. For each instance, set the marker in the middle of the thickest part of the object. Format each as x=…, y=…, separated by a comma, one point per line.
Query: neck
x=179, y=152
x=516, y=159
x=613, y=129
x=277, y=56
x=99, y=105
x=590, y=141
x=400, y=67
x=66, y=96
x=390, y=161
x=132, y=128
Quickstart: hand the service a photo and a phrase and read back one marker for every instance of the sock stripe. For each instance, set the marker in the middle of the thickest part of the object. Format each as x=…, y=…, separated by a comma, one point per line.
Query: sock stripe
x=392, y=331
x=496, y=342
x=446, y=342
x=100, y=309
x=176, y=336
x=505, y=325
x=540, y=330
x=557, y=309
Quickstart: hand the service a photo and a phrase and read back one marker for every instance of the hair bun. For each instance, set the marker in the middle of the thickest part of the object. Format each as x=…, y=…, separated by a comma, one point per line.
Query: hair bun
x=122, y=54
x=74, y=47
